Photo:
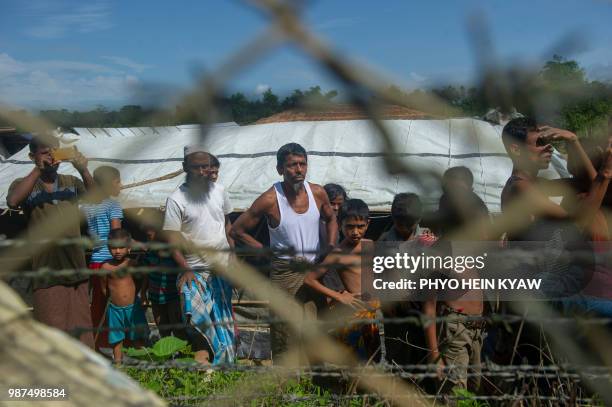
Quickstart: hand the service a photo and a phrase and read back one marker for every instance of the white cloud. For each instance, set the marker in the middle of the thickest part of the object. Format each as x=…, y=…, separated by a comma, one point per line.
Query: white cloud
x=261, y=88
x=57, y=83
x=9, y=66
x=55, y=22
x=415, y=77
x=600, y=72
x=126, y=62
x=72, y=66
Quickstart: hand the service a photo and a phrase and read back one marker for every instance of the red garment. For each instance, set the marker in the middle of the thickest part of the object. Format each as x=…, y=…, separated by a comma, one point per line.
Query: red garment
x=427, y=238
x=98, y=308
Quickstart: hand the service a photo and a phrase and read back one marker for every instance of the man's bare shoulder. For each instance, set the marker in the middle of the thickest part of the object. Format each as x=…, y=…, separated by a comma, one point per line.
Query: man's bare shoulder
x=317, y=190
x=265, y=201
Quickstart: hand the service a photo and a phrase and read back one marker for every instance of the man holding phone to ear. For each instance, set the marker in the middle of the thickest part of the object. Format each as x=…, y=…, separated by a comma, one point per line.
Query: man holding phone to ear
x=49, y=201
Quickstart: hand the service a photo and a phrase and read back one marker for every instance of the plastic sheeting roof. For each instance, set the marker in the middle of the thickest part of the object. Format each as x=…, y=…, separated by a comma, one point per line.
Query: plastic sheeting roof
x=349, y=153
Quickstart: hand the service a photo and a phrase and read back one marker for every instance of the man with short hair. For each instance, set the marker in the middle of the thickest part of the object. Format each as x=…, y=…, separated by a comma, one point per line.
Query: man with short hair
x=561, y=262
x=197, y=212
x=529, y=147
x=293, y=209
x=49, y=201
x=214, y=168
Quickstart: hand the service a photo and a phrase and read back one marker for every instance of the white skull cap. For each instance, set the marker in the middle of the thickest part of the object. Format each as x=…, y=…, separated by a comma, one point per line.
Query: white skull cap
x=188, y=150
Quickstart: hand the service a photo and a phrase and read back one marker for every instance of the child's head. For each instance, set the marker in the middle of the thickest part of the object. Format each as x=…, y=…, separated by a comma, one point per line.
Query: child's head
x=457, y=178
x=108, y=180
x=337, y=196
x=119, y=242
x=150, y=232
x=406, y=213
x=213, y=174
x=354, y=219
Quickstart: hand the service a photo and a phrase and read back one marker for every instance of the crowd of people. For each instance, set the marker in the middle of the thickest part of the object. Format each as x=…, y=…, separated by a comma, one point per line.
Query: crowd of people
x=318, y=236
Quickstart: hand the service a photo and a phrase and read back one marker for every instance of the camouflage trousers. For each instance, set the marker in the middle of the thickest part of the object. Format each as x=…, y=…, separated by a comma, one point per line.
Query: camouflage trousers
x=461, y=344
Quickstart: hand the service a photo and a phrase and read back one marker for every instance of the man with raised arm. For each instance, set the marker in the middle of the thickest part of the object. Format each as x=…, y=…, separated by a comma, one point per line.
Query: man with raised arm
x=293, y=209
x=49, y=201
x=530, y=149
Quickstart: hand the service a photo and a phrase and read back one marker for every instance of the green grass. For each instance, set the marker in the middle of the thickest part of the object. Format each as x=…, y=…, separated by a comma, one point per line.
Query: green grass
x=197, y=387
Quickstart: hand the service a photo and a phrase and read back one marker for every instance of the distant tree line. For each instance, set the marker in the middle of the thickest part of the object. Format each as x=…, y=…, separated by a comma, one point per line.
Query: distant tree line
x=560, y=94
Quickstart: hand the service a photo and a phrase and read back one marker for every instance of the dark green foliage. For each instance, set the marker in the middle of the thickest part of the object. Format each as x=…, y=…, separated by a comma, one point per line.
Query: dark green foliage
x=182, y=387
x=560, y=94
x=236, y=107
x=187, y=386
x=561, y=72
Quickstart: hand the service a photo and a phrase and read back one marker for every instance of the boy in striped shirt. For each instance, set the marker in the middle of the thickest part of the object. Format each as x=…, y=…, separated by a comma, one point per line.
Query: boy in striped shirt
x=103, y=214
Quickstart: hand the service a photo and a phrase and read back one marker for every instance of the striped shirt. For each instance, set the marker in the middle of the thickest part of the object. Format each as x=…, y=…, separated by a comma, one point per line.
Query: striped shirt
x=99, y=218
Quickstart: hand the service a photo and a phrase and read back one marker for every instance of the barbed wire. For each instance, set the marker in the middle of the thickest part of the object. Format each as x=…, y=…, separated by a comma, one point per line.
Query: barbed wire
x=404, y=371
x=358, y=84
x=340, y=323
x=345, y=397
x=89, y=242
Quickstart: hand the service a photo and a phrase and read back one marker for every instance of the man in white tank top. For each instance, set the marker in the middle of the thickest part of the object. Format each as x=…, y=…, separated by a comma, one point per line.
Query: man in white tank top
x=293, y=209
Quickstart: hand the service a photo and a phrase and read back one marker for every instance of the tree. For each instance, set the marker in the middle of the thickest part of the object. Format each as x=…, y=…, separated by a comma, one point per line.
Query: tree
x=292, y=101
x=560, y=71
x=131, y=115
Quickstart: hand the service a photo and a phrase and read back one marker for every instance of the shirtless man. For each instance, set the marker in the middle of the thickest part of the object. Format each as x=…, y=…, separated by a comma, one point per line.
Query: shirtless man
x=293, y=209
x=529, y=147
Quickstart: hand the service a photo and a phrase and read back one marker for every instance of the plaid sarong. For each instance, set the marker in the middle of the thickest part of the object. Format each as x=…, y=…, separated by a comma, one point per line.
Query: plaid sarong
x=209, y=306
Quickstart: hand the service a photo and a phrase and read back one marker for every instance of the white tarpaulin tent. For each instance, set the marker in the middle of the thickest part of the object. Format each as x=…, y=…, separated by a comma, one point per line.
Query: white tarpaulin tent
x=347, y=152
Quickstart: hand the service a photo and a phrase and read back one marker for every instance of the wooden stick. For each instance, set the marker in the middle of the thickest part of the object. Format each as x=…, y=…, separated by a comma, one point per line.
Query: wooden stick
x=152, y=180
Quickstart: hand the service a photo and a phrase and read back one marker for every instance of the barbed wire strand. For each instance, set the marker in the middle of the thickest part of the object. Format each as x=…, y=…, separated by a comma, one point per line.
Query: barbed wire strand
x=287, y=20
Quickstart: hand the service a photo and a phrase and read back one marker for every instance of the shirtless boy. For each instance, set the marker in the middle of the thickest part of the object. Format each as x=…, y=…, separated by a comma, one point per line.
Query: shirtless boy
x=354, y=221
x=124, y=311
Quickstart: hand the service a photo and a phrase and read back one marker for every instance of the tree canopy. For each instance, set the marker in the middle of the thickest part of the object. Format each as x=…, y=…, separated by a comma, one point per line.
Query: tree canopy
x=560, y=94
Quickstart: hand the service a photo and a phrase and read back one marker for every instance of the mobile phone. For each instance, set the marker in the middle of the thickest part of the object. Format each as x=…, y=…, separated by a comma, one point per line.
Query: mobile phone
x=63, y=154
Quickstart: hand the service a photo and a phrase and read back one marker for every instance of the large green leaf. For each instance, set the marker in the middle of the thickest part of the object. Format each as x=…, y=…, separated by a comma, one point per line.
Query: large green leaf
x=168, y=346
x=136, y=353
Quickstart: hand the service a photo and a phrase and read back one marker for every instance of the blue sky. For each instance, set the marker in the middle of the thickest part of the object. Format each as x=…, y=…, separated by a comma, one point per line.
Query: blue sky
x=77, y=54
